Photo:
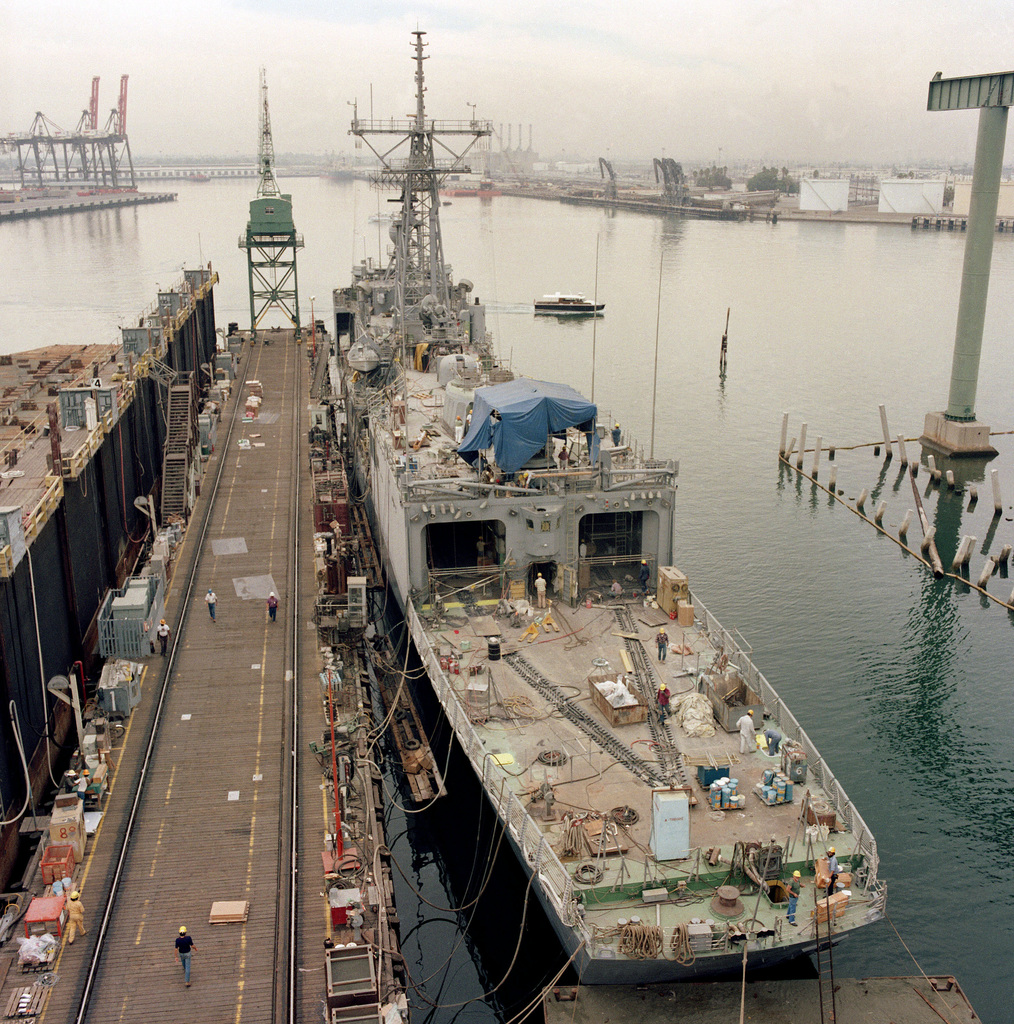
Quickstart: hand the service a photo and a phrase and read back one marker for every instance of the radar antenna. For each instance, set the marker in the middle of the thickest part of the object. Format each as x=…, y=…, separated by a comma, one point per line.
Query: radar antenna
x=417, y=267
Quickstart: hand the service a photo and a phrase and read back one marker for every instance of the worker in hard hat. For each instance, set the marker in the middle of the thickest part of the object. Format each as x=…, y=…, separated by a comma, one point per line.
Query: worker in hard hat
x=163, y=636
x=662, y=697
x=747, y=734
x=662, y=643
x=643, y=576
x=794, y=897
x=540, y=590
x=459, y=430
x=184, y=947
x=616, y=435
x=832, y=861
x=75, y=917
x=82, y=784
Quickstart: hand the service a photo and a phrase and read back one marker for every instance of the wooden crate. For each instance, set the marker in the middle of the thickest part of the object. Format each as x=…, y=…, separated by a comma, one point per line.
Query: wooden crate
x=616, y=716
x=672, y=587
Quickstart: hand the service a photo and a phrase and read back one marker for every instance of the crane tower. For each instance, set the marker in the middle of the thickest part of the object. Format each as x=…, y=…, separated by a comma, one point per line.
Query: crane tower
x=271, y=240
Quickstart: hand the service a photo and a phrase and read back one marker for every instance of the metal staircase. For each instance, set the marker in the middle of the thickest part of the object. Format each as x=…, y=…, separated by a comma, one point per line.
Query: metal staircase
x=181, y=439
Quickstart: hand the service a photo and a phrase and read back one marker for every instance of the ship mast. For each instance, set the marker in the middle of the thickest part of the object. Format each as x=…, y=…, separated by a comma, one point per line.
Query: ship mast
x=417, y=269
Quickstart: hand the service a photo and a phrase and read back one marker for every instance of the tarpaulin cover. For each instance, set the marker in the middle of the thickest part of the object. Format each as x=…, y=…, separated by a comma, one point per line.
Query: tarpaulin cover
x=528, y=411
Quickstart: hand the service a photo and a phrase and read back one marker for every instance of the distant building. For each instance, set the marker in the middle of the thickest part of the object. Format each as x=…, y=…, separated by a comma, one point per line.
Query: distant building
x=963, y=197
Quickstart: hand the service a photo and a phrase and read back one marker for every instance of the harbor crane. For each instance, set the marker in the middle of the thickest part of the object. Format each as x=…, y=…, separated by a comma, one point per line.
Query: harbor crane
x=49, y=155
x=604, y=167
x=674, y=183
x=271, y=240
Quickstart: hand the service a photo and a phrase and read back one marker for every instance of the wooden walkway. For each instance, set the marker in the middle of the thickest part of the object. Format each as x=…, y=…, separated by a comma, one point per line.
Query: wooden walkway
x=209, y=821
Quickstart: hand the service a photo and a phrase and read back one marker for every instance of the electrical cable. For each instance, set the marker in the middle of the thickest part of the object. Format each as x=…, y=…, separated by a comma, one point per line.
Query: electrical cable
x=15, y=721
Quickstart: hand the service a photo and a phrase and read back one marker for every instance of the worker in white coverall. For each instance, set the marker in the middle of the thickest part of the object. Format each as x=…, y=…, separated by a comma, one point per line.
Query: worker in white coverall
x=747, y=734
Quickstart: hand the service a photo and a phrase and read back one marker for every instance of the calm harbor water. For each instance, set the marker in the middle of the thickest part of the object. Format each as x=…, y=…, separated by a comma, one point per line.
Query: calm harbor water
x=903, y=683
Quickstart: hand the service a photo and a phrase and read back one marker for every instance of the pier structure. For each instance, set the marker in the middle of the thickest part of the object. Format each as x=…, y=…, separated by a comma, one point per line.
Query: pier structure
x=956, y=431
x=213, y=811
x=82, y=434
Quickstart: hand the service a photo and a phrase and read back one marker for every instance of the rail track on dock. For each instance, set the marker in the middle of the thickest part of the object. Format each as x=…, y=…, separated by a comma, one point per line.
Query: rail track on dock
x=213, y=809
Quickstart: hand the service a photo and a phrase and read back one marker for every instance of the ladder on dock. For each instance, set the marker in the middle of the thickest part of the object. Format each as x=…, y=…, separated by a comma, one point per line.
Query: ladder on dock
x=179, y=445
x=825, y=965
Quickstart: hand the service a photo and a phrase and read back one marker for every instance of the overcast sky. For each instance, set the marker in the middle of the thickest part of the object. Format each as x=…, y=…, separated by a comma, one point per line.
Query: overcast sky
x=789, y=82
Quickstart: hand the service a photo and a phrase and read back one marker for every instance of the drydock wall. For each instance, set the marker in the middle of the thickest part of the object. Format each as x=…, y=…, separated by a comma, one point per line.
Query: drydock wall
x=88, y=545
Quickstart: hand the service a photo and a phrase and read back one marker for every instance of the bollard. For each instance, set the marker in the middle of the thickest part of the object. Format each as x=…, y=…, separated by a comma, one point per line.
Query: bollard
x=973, y=496
x=950, y=479
x=1004, y=554
x=816, y=457
x=861, y=500
x=997, y=500
x=905, y=524
x=785, y=433
x=987, y=570
x=889, y=454
x=878, y=516
x=802, y=446
x=902, y=452
x=832, y=479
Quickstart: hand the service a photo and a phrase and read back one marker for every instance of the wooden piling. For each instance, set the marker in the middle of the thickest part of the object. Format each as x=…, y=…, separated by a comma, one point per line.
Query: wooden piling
x=905, y=524
x=887, y=436
x=816, y=457
x=928, y=532
x=785, y=433
x=878, y=516
x=1004, y=554
x=902, y=452
x=802, y=446
x=861, y=500
x=994, y=476
x=987, y=570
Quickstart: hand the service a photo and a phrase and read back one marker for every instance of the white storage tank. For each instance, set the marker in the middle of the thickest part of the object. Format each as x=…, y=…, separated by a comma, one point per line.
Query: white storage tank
x=824, y=195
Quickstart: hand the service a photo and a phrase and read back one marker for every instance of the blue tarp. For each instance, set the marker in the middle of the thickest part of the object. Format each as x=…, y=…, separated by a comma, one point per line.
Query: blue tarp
x=514, y=419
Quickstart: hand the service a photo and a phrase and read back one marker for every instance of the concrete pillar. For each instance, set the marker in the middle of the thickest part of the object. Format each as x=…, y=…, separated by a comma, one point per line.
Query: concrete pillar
x=978, y=256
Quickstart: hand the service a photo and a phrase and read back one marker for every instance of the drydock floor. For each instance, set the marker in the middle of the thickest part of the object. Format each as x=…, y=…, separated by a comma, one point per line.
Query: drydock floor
x=207, y=826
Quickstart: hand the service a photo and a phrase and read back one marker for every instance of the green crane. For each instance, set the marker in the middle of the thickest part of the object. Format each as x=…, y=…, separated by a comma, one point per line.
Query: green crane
x=271, y=240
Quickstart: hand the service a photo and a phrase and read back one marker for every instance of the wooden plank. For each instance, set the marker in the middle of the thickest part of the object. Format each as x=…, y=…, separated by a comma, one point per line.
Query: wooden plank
x=229, y=912
x=628, y=665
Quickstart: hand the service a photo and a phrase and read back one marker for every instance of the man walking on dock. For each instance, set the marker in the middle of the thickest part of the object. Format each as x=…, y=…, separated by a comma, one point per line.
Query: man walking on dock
x=272, y=606
x=184, y=947
x=75, y=917
x=663, y=695
x=211, y=600
x=662, y=640
x=540, y=590
x=163, y=635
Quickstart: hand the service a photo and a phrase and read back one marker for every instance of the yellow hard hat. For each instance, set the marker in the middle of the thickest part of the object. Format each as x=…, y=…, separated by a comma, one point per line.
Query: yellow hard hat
x=75, y=895
x=750, y=713
x=644, y=561
x=183, y=929
x=830, y=849
x=617, y=424
x=796, y=874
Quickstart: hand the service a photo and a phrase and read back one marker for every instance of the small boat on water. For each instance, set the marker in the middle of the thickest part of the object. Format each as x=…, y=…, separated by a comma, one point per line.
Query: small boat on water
x=560, y=304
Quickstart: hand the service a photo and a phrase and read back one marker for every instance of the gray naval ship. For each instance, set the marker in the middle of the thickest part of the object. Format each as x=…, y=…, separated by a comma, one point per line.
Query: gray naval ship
x=516, y=533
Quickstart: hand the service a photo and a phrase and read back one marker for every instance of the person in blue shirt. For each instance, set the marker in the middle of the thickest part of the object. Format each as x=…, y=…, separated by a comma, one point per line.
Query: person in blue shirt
x=644, y=575
x=184, y=947
x=616, y=436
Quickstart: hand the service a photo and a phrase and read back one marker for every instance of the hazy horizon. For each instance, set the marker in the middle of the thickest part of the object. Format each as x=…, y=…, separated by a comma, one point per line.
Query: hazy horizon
x=782, y=83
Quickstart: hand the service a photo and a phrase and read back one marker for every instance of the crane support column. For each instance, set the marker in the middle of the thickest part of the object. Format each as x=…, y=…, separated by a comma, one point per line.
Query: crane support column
x=956, y=431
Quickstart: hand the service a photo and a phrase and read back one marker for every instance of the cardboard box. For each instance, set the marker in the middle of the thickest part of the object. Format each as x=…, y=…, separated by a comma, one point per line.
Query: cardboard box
x=836, y=905
x=66, y=827
x=685, y=613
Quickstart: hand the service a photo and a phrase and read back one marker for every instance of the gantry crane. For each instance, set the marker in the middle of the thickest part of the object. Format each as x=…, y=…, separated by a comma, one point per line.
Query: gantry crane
x=271, y=240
